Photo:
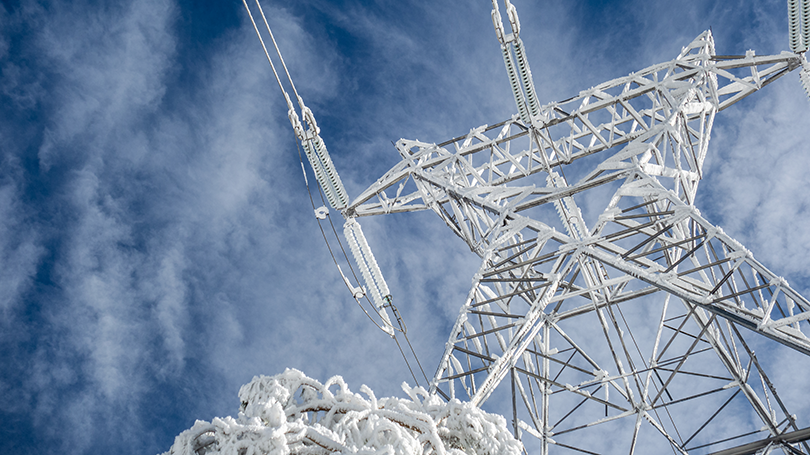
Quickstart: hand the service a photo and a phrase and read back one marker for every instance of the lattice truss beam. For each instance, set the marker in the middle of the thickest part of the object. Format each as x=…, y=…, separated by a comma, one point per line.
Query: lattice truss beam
x=625, y=320
x=570, y=320
x=660, y=117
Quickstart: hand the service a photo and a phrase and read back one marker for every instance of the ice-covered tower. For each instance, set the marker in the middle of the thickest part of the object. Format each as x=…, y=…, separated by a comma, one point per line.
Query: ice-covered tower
x=621, y=328
x=607, y=315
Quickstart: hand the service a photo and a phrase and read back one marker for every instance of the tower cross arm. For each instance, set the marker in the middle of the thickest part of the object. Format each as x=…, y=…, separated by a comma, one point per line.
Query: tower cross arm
x=612, y=114
x=764, y=70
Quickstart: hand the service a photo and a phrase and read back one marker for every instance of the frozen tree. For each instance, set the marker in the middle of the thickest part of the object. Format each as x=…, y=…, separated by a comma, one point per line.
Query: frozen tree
x=291, y=413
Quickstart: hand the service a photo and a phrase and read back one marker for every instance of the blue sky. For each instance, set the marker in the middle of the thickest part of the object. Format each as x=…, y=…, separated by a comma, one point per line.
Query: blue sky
x=157, y=244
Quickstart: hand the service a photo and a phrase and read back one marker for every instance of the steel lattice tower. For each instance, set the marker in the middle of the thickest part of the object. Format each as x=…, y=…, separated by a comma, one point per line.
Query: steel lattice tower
x=619, y=330
x=630, y=326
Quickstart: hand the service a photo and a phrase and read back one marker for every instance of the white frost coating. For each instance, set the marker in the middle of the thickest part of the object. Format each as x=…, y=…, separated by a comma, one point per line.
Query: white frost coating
x=804, y=76
x=375, y=283
x=291, y=413
x=794, y=26
x=806, y=23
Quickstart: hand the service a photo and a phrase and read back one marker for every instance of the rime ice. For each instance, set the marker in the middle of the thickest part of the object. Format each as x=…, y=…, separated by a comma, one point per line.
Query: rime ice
x=291, y=413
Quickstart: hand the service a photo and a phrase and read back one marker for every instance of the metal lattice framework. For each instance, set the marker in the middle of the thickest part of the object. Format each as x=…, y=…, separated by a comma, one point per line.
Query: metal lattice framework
x=616, y=329
x=611, y=329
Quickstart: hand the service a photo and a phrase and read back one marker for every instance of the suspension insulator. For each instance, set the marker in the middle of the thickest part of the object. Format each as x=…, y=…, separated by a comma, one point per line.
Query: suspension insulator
x=794, y=26
x=320, y=176
x=514, y=82
x=805, y=24
x=376, y=286
x=318, y=157
x=526, y=77
x=340, y=196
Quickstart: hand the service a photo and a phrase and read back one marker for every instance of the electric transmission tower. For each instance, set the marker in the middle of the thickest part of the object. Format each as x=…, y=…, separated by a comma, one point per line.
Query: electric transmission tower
x=611, y=330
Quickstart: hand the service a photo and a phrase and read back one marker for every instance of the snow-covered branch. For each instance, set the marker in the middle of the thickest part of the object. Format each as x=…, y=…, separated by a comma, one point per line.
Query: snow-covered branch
x=291, y=413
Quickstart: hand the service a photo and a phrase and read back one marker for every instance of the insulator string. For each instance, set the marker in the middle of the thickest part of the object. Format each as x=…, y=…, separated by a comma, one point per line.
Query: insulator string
x=332, y=189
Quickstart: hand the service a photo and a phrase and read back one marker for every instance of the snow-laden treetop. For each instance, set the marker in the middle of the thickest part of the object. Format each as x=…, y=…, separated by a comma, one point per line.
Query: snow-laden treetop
x=291, y=413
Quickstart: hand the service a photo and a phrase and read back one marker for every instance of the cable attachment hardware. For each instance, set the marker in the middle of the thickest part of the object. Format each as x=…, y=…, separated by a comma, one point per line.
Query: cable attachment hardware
x=321, y=212
x=497, y=22
x=389, y=299
x=358, y=292
x=511, y=12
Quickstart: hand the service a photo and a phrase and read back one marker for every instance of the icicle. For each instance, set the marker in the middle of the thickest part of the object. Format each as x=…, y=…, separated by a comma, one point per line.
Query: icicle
x=375, y=283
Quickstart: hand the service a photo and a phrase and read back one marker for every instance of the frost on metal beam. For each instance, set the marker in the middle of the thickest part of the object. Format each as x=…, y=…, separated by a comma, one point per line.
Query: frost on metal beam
x=620, y=320
x=621, y=118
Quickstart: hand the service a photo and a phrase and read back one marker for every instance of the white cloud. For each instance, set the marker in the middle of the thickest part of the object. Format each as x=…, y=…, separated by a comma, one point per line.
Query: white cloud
x=760, y=176
x=185, y=254
x=19, y=247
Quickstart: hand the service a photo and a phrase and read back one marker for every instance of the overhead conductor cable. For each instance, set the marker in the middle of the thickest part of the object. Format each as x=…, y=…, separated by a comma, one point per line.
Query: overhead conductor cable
x=338, y=198
x=328, y=178
x=315, y=149
x=313, y=145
